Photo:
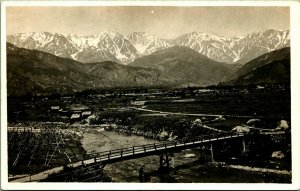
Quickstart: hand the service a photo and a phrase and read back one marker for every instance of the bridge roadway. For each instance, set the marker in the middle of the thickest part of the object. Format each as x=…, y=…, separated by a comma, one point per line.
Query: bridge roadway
x=113, y=156
x=108, y=157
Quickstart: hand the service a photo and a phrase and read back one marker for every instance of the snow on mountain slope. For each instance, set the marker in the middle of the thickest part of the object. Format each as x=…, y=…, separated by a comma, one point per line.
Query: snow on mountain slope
x=104, y=46
x=113, y=46
x=56, y=44
x=214, y=47
x=146, y=44
x=257, y=44
x=235, y=49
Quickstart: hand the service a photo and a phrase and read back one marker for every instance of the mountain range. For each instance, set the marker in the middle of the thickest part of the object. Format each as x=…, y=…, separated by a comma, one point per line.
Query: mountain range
x=34, y=71
x=112, y=46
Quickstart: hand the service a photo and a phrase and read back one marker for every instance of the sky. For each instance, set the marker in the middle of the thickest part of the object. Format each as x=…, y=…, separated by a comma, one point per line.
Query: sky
x=164, y=22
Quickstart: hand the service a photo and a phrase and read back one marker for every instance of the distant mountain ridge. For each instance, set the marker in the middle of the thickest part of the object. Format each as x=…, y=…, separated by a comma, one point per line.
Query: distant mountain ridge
x=270, y=68
x=32, y=71
x=185, y=64
x=112, y=46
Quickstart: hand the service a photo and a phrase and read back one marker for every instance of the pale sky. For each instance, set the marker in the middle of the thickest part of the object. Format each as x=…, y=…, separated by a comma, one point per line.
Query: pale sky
x=164, y=22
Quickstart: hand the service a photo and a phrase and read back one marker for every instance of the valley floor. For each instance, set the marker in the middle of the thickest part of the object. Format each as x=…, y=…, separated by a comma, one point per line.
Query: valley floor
x=123, y=120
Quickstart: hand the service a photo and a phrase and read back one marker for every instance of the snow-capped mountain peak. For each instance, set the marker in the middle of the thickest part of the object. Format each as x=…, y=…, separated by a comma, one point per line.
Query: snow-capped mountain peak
x=235, y=49
x=110, y=45
x=145, y=43
x=110, y=34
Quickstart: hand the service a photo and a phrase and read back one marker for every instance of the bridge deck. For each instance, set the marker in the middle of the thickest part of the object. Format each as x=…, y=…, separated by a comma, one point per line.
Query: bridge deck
x=112, y=156
x=147, y=150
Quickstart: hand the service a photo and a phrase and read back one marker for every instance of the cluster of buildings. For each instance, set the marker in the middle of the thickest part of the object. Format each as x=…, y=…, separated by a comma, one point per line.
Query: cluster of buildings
x=74, y=112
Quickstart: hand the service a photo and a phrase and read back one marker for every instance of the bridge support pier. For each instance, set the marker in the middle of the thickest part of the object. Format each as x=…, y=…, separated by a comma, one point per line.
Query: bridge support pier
x=164, y=162
x=202, y=155
x=101, y=167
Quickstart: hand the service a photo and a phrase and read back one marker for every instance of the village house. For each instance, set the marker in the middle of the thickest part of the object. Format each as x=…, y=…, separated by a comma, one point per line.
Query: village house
x=76, y=112
x=55, y=108
x=138, y=103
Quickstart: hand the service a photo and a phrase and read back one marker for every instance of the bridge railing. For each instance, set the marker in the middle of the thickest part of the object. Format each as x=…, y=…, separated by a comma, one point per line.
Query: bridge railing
x=104, y=155
x=210, y=136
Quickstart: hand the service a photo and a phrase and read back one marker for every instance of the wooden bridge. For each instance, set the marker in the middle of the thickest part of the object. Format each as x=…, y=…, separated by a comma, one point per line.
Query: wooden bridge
x=162, y=149
x=122, y=154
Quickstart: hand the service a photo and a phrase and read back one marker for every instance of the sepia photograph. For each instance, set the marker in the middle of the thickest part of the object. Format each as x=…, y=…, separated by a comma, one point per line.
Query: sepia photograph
x=157, y=94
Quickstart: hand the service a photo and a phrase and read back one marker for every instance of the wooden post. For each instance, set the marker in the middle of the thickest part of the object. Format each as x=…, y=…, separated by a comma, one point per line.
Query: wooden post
x=244, y=145
x=212, y=153
x=173, y=161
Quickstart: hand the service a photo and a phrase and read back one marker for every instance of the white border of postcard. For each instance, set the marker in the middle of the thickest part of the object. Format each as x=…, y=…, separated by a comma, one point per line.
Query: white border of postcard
x=295, y=102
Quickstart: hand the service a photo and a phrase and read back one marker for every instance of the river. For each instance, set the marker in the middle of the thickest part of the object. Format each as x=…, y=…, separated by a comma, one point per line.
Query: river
x=126, y=171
